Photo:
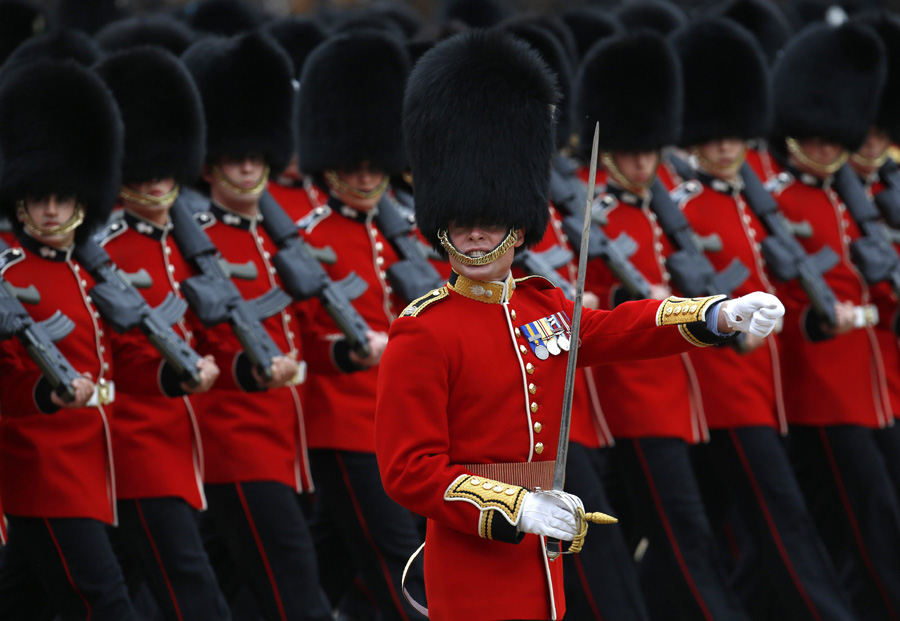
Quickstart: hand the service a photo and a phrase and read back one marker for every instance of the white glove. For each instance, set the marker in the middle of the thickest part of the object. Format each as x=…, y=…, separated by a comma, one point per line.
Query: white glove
x=550, y=513
x=756, y=313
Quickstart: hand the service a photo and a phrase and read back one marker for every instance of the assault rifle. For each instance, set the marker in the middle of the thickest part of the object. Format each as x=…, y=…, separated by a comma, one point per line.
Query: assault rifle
x=215, y=299
x=784, y=255
x=545, y=264
x=872, y=253
x=412, y=276
x=124, y=308
x=692, y=273
x=302, y=275
x=888, y=200
x=38, y=337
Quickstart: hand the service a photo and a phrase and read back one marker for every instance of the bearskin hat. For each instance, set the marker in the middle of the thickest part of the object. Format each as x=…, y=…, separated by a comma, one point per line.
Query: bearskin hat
x=763, y=19
x=351, y=101
x=162, y=113
x=887, y=27
x=224, y=17
x=632, y=86
x=89, y=16
x=60, y=133
x=248, y=98
x=740, y=104
x=368, y=21
x=656, y=15
x=478, y=122
x=298, y=36
x=589, y=26
x=474, y=13
x=159, y=30
x=403, y=15
x=62, y=45
x=19, y=21
x=828, y=84
x=552, y=53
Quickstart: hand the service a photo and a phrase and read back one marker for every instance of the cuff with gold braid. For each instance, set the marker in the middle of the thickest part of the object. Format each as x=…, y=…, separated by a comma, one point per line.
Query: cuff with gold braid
x=690, y=315
x=499, y=504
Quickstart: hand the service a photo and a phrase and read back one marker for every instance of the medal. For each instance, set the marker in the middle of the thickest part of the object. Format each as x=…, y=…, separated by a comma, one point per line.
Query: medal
x=563, y=342
x=553, y=346
x=541, y=352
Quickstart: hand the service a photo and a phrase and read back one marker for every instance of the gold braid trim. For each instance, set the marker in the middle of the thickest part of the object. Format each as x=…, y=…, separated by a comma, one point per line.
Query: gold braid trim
x=419, y=304
x=677, y=311
x=486, y=495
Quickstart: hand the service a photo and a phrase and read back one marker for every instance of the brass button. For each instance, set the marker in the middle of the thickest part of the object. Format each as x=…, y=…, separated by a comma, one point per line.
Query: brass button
x=538, y=427
x=529, y=368
x=512, y=314
x=523, y=349
x=475, y=481
x=498, y=488
x=539, y=448
x=693, y=308
x=510, y=491
x=532, y=388
x=518, y=333
x=379, y=246
x=488, y=485
x=534, y=407
x=379, y=260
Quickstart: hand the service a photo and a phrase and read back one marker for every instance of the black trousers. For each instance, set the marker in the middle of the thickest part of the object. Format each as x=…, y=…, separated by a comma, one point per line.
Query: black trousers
x=269, y=547
x=360, y=532
x=845, y=480
x=68, y=564
x=158, y=541
x=601, y=581
x=681, y=574
x=784, y=569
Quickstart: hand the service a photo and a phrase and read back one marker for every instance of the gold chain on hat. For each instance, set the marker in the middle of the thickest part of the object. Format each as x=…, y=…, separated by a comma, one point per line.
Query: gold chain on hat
x=729, y=170
x=260, y=186
x=825, y=169
x=511, y=238
x=334, y=180
x=638, y=188
x=148, y=200
x=874, y=162
x=66, y=227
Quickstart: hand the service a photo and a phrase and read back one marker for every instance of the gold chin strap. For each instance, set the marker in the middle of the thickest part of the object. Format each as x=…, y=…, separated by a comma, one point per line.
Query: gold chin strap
x=334, y=180
x=637, y=188
x=257, y=189
x=66, y=227
x=148, y=200
x=824, y=169
x=727, y=171
x=875, y=162
x=493, y=255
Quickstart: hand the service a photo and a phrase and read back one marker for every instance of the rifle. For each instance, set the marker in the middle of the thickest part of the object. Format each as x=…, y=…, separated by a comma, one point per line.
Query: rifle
x=784, y=255
x=570, y=196
x=38, y=337
x=216, y=299
x=124, y=308
x=545, y=264
x=303, y=276
x=888, y=200
x=412, y=276
x=691, y=270
x=873, y=254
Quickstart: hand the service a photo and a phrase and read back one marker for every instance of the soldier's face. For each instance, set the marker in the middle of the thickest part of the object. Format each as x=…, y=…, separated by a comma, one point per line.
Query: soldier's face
x=245, y=173
x=875, y=145
x=477, y=241
x=155, y=188
x=638, y=167
x=721, y=157
x=363, y=180
x=49, y=213
x=820, y=151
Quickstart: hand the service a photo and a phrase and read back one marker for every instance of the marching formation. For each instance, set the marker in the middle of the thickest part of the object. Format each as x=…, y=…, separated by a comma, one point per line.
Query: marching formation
x=364, y=316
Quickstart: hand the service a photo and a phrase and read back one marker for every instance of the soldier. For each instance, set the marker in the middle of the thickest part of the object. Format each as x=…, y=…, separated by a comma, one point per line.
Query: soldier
x=478, y=408
x=254, y=436
x=745, y=452
x=835, y=391
x=156, y=441
x=680, y=571
x=57, y=478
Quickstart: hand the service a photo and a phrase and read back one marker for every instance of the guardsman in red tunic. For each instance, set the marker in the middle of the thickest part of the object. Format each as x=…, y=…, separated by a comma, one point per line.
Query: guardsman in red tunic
x=745, y=452
x=156, y=440
x=653, y=406
x=350, y=143
x=56, y=471
x=836, y=396
x=468, y=416
x=254, y=436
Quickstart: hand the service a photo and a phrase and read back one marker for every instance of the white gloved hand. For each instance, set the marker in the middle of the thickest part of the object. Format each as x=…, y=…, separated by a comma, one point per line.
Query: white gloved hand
x=550, y=513
x=756, y=313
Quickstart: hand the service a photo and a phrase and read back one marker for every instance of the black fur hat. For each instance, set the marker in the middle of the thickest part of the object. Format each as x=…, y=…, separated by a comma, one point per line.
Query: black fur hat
x=403, y=15
x=764, y=20
x=351, y=101
x=828, y=84
x=19, y=21
x=632, y=86
x=162, y=113
x=590, y=25
x=478, y=122
x=223, y=17
x=60, y=133
x=474, y=13
x=159, y=30
x=726, y=94
x=62, y=45
x=657, y=15
x=248, y=97
x=887, y=27
x=552, y=53
x=298, y=36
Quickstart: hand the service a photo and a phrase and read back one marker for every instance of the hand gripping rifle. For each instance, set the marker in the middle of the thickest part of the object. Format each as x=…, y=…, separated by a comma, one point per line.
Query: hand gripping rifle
x=872, y=253
x=216, y=299
x=784, y=255
x=38, y=337
x=692, y=273
x=303, y=276
x=569, y=195
x=412, y=276
x=124, y=308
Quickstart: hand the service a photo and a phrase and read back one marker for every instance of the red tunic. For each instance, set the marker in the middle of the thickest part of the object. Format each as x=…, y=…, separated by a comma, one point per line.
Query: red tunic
x=156, y=442
x=250, y=436
x=59, y=465
x=713, y=206
x=840, y=380
x=645, y=398
x=460, y=385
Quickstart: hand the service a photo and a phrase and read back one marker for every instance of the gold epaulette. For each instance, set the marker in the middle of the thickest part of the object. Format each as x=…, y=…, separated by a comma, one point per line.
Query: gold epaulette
x=490, y=497
x=419, y=304
x=678, y=311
